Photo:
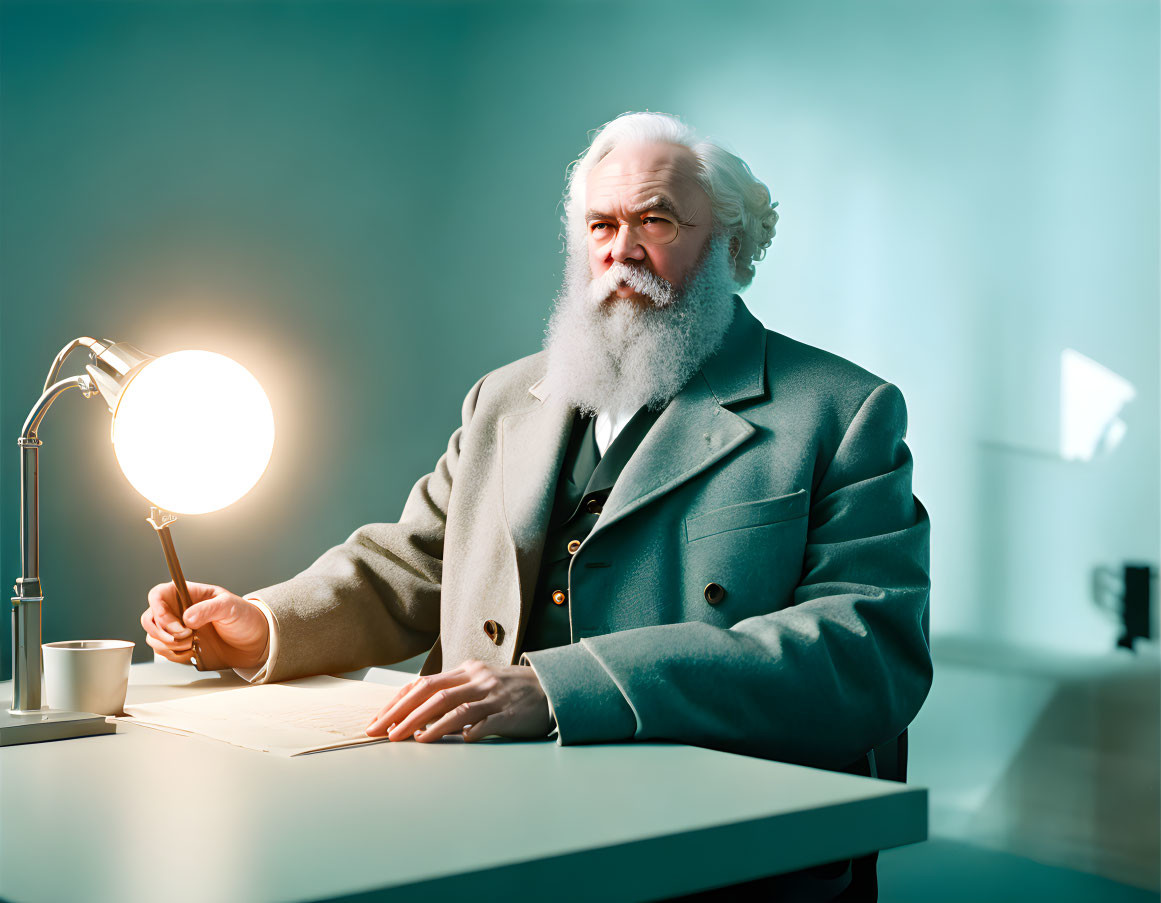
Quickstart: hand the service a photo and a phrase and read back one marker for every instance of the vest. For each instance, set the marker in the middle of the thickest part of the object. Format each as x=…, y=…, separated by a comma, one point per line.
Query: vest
x=585, y=481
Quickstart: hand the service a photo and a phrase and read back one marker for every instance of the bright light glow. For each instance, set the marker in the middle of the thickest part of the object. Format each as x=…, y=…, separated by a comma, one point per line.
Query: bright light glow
x=1091, y=397
x=193, y=432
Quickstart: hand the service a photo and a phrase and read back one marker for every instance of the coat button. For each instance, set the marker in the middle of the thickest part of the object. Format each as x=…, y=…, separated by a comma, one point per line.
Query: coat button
x=494, y=631
x=558, y=596
x=594, y=506
x=573, y=545
x=714, y=593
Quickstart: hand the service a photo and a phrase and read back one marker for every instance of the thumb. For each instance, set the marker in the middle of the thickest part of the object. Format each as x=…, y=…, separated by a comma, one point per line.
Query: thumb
x=203, y=612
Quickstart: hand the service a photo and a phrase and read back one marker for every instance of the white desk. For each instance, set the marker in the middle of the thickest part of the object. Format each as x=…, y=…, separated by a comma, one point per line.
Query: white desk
x=145, y=815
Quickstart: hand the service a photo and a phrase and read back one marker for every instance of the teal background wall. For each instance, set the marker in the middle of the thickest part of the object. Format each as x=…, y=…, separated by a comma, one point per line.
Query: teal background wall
x=359, y=202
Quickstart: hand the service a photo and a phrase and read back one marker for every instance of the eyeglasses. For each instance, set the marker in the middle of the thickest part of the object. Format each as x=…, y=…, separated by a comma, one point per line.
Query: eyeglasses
x=651, y=230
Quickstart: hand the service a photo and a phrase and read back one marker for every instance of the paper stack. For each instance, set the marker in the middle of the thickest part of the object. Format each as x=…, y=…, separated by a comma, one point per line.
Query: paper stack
x=292, y=718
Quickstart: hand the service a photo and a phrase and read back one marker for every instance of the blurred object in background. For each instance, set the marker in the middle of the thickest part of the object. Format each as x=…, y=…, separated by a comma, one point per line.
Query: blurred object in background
x=1129, y=595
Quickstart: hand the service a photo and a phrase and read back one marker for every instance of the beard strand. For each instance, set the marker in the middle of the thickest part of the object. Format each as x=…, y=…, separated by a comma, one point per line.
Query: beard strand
x=618, y=356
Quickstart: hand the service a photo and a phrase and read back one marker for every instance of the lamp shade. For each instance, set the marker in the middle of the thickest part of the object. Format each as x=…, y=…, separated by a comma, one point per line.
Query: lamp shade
x=193, y=431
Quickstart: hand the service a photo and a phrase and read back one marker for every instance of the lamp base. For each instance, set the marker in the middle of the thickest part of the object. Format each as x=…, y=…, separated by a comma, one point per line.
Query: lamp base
x=37, y=727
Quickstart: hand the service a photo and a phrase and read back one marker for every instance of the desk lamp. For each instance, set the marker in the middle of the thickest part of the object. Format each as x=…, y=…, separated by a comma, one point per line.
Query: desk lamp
x=192, y=432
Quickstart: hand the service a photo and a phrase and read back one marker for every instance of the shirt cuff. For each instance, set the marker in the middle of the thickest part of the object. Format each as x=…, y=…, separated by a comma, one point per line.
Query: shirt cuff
x=552, y=731
x=258, y=675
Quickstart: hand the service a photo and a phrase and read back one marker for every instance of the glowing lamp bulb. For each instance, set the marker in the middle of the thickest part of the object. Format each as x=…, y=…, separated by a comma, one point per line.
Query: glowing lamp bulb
x=193, y=432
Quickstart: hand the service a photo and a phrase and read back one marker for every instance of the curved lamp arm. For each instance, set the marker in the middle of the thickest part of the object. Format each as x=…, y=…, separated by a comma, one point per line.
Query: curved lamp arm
x=82, y=342
x=32, y=422
x=26, y=619
x=28, y=584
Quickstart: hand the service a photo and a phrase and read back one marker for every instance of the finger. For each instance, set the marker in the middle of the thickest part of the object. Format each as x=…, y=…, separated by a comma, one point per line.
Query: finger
x=481, y=729
x=214, y=609
x=152, y=630
x=199, y=592
x=460, y=719
x=163, y=604
x=182, y=658
x=403, y=691
x=420, y=692
x=394, y=699
x=436, y=707
x=416, y=708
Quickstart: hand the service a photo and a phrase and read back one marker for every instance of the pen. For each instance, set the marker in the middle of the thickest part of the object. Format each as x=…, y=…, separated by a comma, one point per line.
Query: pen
x=160, y=521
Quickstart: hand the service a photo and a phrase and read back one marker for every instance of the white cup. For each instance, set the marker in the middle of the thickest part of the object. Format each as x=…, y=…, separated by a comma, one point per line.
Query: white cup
x=87, y=675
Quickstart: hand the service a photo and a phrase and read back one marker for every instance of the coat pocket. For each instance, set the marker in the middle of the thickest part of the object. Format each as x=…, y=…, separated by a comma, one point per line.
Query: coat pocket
x=748, y=514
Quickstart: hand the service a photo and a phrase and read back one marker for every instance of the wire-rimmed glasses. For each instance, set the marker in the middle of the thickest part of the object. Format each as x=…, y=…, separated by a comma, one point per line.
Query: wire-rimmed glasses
x=651, y=230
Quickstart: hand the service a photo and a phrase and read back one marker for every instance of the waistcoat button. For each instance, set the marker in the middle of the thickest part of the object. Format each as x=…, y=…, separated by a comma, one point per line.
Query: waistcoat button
x=558, y=596
x=714, y=593
x=573, y=545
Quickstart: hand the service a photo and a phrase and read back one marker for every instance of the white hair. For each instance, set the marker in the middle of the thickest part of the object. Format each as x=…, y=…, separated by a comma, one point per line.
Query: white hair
x=741, y=204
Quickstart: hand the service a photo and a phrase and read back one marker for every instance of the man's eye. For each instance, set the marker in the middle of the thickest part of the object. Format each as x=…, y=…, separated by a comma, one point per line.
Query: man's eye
x=597, y=227
x=658, y=229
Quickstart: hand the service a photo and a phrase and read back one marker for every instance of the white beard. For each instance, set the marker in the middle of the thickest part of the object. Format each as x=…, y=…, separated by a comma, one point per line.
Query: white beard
x=617, y=356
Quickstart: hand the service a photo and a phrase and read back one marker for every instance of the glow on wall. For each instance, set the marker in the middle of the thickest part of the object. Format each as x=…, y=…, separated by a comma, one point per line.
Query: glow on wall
x=1091, y=399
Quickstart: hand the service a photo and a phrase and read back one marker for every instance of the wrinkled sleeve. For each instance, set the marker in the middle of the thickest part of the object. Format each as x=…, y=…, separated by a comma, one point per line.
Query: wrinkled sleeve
x=373, y=600
x=842, y=670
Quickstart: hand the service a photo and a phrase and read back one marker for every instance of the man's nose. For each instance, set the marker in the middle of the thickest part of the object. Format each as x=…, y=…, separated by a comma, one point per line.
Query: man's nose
x=626, y=247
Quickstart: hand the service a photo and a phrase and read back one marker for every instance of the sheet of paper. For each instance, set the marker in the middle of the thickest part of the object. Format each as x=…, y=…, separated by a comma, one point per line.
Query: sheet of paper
x=307, y=715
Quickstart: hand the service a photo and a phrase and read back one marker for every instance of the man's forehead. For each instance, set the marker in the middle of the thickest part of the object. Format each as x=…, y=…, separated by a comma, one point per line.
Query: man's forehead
x=632, y=174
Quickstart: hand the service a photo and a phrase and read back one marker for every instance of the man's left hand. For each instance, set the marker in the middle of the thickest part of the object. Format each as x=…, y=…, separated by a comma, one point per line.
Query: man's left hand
x=477, y=699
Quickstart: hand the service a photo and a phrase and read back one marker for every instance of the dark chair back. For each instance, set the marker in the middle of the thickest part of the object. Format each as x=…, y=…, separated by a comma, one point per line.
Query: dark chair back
x=890, y=760
x=889, y=763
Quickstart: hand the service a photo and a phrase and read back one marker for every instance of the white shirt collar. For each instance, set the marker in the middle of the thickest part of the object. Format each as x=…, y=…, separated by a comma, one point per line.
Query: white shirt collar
x=608, y=425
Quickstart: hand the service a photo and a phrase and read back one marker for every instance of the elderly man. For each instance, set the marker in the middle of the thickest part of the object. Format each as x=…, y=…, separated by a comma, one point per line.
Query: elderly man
x=689, y=527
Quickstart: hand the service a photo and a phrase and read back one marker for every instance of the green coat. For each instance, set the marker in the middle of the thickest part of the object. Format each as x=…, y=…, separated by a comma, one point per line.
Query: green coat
x=779, y=473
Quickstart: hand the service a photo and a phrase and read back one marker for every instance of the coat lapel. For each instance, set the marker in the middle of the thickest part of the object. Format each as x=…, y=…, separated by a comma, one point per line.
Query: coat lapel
x=532, y=448
x=695, y=430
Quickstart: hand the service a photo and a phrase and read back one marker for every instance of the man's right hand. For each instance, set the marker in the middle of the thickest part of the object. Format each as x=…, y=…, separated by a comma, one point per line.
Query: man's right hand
x=230, y=629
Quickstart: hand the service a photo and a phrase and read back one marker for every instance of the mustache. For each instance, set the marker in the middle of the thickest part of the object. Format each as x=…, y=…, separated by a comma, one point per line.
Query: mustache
x=660, y=291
